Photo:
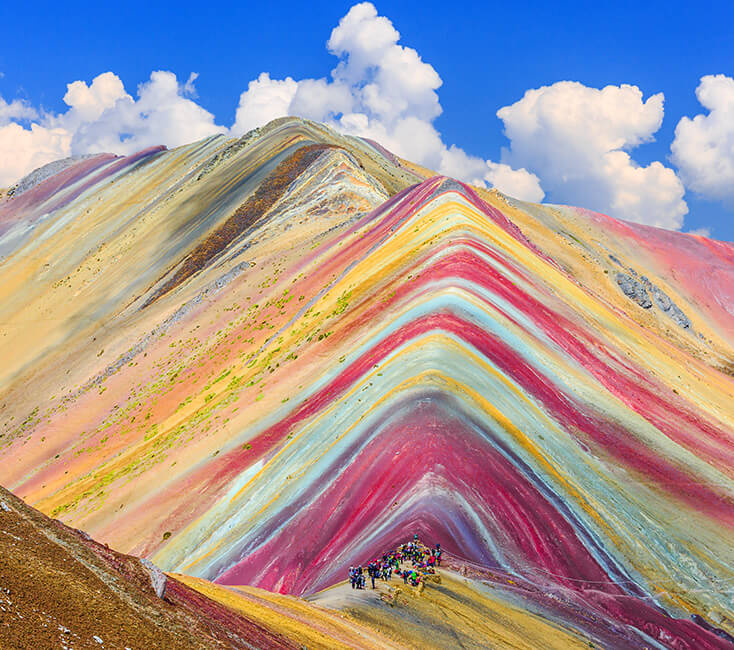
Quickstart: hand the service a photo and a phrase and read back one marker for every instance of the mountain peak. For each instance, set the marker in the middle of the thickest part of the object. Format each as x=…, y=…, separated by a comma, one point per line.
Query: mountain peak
x=262, y=360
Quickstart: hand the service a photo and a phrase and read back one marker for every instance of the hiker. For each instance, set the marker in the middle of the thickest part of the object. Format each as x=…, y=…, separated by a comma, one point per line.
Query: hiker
x=423, y=561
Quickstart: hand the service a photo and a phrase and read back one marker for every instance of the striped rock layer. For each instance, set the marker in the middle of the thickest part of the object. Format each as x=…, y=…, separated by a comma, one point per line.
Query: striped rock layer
x=260, y=361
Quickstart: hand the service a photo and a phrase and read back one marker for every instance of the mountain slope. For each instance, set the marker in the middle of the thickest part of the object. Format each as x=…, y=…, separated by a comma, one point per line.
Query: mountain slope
x=260, y=361
x=59, y=588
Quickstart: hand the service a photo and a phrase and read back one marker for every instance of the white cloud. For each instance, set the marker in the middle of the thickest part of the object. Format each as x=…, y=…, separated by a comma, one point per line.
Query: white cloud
x=264, y=100
x=378, y=89
x=189, y=90
x=382, y=90
x=576, y=138
x=23, y=150
x=319, y=99
x=701, y=232
x=101, y=117
x=519, y=183
x=703, y=148
x=88, y=103
x=15, y=110
x=111, y=120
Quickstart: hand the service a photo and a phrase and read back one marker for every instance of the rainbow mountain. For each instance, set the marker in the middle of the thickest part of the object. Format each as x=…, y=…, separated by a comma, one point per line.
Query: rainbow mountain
x=258, y=361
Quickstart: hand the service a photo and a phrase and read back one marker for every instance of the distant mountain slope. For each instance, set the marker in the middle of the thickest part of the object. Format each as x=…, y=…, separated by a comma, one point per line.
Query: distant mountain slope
x=258, y=361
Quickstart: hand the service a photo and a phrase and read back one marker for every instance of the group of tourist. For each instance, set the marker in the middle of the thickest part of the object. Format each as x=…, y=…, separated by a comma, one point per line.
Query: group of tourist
x=421, y=559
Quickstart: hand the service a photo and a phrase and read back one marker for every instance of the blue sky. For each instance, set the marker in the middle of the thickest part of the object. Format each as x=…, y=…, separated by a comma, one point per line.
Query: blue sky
x=487, y=56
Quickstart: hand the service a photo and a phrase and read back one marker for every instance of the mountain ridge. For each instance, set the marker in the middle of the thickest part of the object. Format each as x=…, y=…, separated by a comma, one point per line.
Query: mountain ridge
x=374, y=351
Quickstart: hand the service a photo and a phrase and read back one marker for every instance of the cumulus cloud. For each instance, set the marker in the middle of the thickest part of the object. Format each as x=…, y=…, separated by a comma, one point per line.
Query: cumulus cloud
x=703, y=148
x=577, y=140
x=382, y=90
x=15, y=110
x=264, y=99
x=24, y=149
x=378, y=88
x=701, y=232
x=162, y=113
x=101, y=117
x=519, y=183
